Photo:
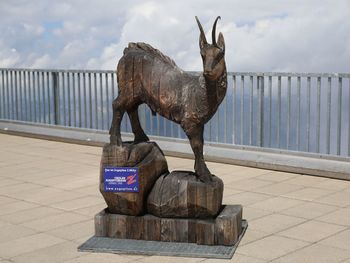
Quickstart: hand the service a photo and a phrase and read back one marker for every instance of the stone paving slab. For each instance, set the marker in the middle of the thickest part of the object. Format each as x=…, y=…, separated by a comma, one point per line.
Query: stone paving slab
x=49, y=196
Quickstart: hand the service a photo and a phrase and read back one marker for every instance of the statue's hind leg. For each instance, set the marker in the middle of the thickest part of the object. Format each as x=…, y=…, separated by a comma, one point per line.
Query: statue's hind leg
x=140, y=135
x=118, y=112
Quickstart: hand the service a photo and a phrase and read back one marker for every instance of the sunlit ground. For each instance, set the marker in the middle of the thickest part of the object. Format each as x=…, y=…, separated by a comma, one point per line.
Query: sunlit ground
x=49, y=196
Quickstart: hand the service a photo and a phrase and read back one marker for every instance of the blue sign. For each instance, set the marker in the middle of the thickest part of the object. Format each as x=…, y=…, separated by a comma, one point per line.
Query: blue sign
x=121, y=179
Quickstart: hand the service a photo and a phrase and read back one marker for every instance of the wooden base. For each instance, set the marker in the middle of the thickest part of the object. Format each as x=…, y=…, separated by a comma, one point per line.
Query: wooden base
x=223, y=230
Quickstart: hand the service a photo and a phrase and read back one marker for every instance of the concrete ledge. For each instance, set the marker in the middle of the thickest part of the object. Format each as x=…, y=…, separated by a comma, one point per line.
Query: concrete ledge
x=280, y=160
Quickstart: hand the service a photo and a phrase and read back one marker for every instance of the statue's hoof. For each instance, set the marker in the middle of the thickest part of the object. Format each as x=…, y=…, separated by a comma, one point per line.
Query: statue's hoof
x=204, y=174
x=114, y=140
x=205, y=178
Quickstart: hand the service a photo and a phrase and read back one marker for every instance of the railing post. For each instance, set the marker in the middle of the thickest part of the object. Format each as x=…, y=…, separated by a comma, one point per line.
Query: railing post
x=2, y=107
x=234, y=90
x=56, y=98
x=260, y=87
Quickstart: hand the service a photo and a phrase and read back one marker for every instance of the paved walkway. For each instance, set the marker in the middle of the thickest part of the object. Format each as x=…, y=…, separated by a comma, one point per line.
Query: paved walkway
x=49, y=195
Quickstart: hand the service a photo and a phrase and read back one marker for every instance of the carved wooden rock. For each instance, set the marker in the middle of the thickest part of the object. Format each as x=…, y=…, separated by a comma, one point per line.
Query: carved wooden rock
x=149, y=159
x=182, y=194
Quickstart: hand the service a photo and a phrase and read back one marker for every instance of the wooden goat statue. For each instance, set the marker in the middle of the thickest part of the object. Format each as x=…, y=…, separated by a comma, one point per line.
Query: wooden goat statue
x=145, y=75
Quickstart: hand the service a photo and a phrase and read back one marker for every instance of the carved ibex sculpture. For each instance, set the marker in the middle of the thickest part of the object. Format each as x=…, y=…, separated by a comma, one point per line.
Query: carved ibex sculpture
x=145, y=75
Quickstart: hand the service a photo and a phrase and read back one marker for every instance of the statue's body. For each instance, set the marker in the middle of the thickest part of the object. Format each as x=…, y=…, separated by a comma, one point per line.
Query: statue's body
x=145, y=75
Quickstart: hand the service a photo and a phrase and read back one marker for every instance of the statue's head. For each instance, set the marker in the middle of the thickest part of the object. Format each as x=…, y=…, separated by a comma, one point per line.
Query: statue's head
x=213, y=55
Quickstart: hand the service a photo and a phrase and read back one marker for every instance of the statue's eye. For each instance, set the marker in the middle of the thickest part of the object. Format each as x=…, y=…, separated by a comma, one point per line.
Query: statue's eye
x=220, y=56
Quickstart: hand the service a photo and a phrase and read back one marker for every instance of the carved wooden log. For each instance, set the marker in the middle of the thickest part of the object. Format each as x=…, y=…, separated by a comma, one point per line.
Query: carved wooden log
x=228, y=225
x=225, y=229
x=151, y=228
x=134, y=227
x=205, y=232
x=101, y=221
x=192, y=232
x=168, y=232
x=151, y=163
x=116, y=226
x=182, y=194
x=174, y=230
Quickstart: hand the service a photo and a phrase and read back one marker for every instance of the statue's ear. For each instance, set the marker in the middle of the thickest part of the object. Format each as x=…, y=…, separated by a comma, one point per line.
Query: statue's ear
x=221, y=42
x=202, y=41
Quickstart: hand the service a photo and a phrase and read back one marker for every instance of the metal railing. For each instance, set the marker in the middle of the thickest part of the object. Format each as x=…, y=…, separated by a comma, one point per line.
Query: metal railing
x=308, y=112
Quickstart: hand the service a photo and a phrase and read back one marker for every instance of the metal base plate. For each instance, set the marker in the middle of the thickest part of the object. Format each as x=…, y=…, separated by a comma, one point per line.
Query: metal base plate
x=142, y=247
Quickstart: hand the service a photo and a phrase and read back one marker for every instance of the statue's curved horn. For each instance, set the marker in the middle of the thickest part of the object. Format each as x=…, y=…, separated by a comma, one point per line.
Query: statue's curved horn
x=213, y=31
x=201, y=29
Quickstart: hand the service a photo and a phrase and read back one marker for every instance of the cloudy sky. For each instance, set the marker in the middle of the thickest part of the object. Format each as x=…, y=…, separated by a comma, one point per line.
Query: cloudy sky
x=269, y=35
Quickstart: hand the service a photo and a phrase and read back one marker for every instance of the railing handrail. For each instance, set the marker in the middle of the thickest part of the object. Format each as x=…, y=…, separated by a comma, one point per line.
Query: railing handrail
x=59, y=70
x=230, y=73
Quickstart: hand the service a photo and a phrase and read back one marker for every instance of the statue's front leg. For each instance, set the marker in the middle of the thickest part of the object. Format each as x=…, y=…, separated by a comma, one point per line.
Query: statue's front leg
x=114, y=131
x=196, y=141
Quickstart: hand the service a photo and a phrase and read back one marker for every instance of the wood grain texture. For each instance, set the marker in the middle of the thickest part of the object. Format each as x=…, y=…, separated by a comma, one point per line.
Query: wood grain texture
x=101, y=226
x=134, y=227
x=182, y=194
x=205, y=232
x=168, y=232
x=116, y=226
x=228, y=225
x=222, y=230
x=151, y=162
x=152, y=228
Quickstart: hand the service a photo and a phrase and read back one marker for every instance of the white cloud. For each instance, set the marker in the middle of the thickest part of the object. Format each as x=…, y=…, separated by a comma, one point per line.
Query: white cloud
x=290, y=35
x=145, y=10
x=42, y=62
x=9, y=57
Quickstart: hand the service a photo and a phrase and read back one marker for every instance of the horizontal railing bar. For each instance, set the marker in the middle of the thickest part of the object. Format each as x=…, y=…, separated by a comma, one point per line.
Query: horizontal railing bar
x=61, y=70
x=291, y=74
x=257, y=74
